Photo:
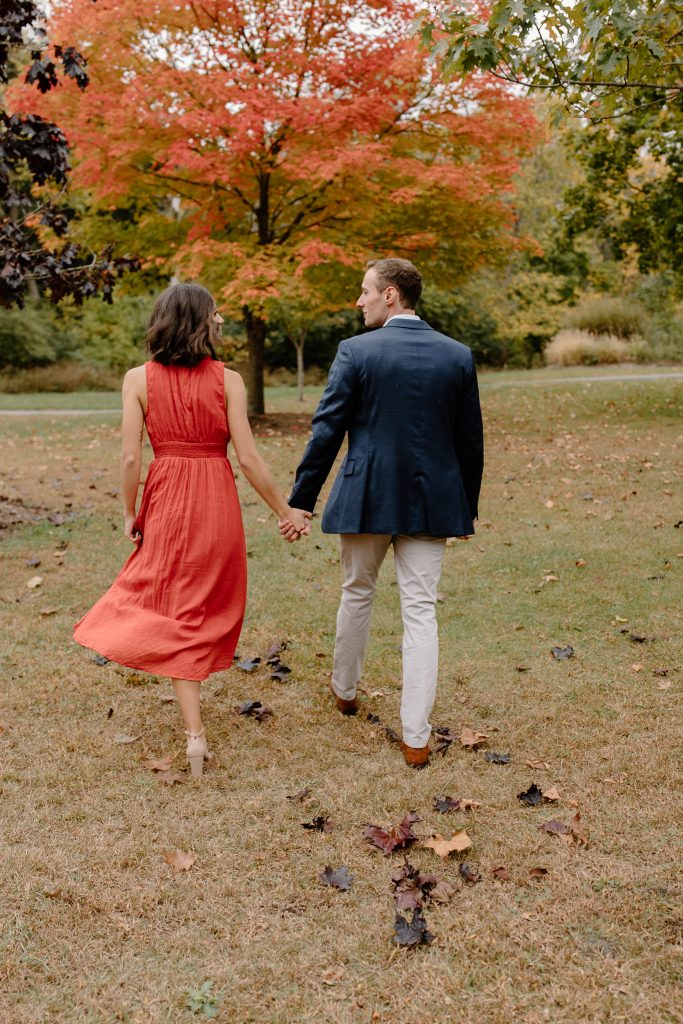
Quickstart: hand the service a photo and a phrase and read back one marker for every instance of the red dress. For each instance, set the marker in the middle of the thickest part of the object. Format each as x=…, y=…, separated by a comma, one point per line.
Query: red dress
x=176, y=608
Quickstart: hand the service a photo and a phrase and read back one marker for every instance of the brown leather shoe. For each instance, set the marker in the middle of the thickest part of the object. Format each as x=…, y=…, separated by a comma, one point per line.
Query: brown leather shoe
x=347, y=707
x=416, y=757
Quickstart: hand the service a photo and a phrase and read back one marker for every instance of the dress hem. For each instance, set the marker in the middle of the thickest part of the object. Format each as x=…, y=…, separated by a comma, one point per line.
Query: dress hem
x=159, y=672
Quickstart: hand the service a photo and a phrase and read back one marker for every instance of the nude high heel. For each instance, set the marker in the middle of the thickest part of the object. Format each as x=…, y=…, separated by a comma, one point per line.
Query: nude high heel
x=197, y=752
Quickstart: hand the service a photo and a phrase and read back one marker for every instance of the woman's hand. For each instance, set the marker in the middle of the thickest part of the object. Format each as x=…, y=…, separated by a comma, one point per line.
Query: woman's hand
x=296, y=524
x=130, y=530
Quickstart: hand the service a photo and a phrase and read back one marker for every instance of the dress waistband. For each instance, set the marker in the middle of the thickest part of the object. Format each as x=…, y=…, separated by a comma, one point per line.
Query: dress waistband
x=189, y=450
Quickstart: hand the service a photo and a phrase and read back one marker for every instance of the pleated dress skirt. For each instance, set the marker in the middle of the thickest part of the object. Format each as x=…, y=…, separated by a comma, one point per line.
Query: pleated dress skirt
x=177, y=606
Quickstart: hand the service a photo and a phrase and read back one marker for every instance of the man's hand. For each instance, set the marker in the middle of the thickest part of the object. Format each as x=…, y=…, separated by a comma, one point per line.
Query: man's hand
x=297, y=524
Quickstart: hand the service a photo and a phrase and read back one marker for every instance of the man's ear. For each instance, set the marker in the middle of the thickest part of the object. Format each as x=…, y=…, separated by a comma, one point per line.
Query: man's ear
x=390, y=294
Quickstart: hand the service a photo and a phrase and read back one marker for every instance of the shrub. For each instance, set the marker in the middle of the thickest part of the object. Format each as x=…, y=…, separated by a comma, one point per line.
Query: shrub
x=609, y=315
x=581, y=348
x=61, y=377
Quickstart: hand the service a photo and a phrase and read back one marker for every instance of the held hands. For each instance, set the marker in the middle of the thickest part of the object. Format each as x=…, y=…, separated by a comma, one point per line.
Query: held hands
x=297, y=524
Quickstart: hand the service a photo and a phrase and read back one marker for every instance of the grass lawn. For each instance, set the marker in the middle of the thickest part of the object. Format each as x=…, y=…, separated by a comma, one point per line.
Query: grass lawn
x=578, y=541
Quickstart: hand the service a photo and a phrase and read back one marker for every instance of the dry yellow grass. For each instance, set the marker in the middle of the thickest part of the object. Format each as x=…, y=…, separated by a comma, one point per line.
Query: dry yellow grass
x=577, y=348
x=97, y=928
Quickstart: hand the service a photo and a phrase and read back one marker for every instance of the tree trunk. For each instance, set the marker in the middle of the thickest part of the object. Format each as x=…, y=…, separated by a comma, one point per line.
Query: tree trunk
x=300, y=368
x=256, y=340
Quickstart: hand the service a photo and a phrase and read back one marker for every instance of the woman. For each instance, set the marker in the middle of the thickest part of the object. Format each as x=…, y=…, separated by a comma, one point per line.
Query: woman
x=177, y=606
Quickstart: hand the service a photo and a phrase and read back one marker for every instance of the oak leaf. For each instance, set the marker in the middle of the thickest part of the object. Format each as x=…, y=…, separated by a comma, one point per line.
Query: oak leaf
x=500, y=874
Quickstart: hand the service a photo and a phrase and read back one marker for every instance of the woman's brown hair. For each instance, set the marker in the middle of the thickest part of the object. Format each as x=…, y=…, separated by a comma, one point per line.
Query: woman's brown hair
x=182, y=330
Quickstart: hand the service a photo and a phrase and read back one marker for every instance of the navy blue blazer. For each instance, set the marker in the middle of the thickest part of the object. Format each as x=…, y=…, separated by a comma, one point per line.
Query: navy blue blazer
x=408, y=398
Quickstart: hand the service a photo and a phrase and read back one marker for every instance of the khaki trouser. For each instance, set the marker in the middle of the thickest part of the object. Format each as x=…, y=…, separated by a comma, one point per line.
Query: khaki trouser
x=418, y=563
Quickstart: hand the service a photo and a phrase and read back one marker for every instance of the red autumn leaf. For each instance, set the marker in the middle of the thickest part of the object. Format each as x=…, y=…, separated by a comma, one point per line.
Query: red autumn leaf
x=397, y=837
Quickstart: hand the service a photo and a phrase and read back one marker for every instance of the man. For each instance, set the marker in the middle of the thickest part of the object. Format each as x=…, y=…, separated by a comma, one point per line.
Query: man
x=407, y=396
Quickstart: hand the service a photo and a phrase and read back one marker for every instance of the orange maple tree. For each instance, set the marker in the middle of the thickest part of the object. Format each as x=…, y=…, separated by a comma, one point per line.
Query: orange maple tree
x=292, y=133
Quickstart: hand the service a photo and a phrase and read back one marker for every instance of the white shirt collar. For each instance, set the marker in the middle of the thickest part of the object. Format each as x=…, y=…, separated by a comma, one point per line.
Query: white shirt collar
x=401, y=316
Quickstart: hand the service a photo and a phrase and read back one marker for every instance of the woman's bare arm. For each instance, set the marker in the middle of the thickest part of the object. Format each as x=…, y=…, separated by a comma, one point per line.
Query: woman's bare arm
x=251, y=463
x=132, y=426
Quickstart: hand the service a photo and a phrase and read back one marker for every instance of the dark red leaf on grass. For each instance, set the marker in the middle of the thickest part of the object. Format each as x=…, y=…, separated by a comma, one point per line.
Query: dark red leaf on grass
x=249, y=664
x=373, y=719
x=660, y=672
x=255, y=709
x=301, y=795
x=100, y=659
x=392, y=735
x=445, y=737
x=562, y=653
x=319, y=824
x=110, y=712
x=339, y=877
x=495, y=758
x=280, y=672
x=444, y=804
x=274, y=650
x=398, y=837
x=532, y=797
x=501, y=874
x=413, y=932
x=470, y=872
x=411, y=887
x=555, y=827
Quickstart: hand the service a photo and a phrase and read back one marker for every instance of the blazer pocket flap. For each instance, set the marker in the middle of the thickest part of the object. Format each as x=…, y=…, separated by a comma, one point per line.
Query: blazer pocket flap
x=348, y=468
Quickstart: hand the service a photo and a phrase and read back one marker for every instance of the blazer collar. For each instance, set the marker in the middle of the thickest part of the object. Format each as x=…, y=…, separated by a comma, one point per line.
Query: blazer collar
x=419, y=325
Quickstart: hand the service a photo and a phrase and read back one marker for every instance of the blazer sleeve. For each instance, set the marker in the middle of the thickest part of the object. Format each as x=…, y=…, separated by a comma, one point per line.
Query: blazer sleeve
x=469, y=440
x=330, y=423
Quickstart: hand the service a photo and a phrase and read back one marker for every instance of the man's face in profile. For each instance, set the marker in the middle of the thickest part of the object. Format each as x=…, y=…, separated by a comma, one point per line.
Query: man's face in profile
x=372, y=301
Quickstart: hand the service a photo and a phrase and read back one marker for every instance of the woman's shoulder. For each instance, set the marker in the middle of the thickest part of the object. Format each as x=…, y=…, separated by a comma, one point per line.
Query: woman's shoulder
x=136, y=373
x=232, y=378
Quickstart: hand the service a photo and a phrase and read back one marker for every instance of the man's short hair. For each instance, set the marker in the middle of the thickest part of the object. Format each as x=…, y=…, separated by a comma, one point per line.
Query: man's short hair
x=402, y=275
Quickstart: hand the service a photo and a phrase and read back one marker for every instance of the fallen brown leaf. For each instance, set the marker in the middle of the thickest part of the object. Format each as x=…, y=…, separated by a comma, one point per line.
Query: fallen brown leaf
x=540, y=766
x=179, y=860
x=664, y=684
x=162, y=765
x=551, y=794
x=122, y=737
x=442, y=892
x=332, y=975
x=442, y=847
x=537, y=872
x=500, y=874
x=470, y=738
x=170, y=777
x=34, y=582
x=48, y=611
x=637, y=668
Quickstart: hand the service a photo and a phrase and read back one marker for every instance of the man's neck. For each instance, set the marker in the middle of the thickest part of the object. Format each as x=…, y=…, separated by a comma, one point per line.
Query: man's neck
x=400, y=312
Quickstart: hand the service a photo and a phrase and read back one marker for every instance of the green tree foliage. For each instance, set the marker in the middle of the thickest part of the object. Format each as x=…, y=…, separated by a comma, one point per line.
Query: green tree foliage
x=599, y=56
